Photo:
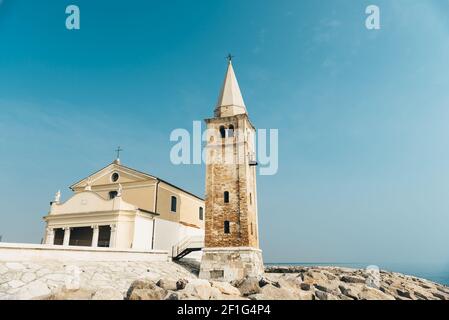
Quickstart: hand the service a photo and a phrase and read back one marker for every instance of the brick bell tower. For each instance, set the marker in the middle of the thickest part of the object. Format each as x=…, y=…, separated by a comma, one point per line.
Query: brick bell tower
x=231, y=237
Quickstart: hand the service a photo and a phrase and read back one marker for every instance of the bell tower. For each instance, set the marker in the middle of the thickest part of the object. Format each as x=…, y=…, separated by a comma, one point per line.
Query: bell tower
x=231, y=236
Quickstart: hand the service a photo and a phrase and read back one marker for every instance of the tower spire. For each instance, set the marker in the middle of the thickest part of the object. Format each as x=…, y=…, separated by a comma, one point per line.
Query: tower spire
x=230, y=102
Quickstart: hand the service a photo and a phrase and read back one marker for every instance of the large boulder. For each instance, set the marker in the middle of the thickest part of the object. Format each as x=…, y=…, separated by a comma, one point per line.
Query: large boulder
x=215, y=294
x=368, y=293
x=305, y=295
x=350, y=291
x=167, y=284
x=352, y=279
x=271, y=292
x=198, y=288
x=226, y=288
x=145, y=289
x=248, y=286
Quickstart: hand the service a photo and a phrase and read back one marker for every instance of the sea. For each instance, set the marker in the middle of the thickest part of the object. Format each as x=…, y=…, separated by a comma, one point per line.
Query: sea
x=438, y=274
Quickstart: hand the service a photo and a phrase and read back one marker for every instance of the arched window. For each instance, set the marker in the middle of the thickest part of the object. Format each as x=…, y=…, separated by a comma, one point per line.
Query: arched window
x=226, y=197
x=222, y=132
x=112, y=194
x=227, y=228
x=231, y=131
x=201, y=213
x=173, y=203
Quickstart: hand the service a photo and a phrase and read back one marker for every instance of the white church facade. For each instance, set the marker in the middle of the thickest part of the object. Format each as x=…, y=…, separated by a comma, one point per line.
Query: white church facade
x=123, y=208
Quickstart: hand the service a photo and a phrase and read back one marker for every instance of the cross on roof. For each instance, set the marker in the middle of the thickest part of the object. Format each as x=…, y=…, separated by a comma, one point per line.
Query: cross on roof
x=229, y=57
x=119, y=149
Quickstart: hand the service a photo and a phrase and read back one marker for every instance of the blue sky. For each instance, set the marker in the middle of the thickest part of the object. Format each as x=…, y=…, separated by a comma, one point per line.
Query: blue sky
x=362, y=115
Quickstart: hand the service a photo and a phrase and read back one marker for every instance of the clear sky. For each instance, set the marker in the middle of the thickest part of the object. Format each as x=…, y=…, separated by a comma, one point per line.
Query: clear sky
x=362, y=115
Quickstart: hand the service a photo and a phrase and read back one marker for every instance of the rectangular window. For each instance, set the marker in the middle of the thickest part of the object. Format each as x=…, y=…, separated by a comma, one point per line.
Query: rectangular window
x=173, y=204
x=113, y=194
x=201, y=213
x=227, y=228
x=226, y=197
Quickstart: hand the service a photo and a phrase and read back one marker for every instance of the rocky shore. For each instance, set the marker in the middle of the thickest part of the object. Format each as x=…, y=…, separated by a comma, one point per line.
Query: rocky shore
x=297, y=283
x=170, y=281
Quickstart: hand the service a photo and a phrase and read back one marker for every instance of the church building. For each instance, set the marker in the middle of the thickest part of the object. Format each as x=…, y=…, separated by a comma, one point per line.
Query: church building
x=120, y=207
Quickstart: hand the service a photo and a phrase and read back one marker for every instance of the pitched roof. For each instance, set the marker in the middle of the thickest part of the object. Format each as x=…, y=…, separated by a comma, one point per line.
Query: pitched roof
x=115, y=164
x=230, y=94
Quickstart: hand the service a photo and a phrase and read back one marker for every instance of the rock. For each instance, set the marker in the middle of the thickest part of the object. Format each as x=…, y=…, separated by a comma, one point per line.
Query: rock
x=145, y=289
x=199, y=288
x=226, y=288
x=147, y=294
x=403, y=293
x=181, y=284
x=438, y=295
x=249, y=286
x=215, y=294
x=264, y=281
x=368, y=293
x=314, y=276
x=229, y=297
x=305, y=295
x=167, y=284
x=186, y=296
x=107, y=294
x=257, y=296
x=172, y=296
x=322, y=288
x=352, y=279
x=321, y=295
x=271, y=292
x=420, y=296
x=304, y=286
x=350, y=292
x=80, y=294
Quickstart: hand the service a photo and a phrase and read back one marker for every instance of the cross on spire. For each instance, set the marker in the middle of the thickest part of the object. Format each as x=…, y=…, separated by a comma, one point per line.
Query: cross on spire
x=229, y=57
x=119, y=149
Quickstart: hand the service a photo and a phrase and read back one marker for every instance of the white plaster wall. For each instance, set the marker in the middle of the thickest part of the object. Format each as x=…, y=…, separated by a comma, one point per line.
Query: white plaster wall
x=143, y=233
x=125, y=232
x=168, y=233
x=26, y=252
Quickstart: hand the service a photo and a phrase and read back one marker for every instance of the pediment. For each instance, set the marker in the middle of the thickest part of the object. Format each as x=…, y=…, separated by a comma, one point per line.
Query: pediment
x=88, y=202
x=107, y=176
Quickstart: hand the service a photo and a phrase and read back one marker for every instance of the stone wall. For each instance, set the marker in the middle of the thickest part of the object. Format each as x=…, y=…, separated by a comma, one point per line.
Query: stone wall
x=228, y=170
x=229, y=264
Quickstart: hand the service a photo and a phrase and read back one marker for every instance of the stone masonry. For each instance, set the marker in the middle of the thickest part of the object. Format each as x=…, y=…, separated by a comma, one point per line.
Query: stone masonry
x=231, y=227
x=228, y=170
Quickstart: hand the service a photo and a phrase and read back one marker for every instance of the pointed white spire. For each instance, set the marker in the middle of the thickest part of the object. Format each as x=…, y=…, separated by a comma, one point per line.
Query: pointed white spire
x=230, y=102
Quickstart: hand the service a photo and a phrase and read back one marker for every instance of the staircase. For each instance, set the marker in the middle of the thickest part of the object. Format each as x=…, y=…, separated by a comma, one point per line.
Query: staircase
x=186, y=246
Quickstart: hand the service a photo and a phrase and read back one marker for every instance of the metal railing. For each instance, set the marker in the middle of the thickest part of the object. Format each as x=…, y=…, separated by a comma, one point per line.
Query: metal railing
x=188, y=243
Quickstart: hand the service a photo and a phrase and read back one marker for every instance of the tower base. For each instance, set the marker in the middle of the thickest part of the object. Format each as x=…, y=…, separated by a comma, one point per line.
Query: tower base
x=232, y=263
